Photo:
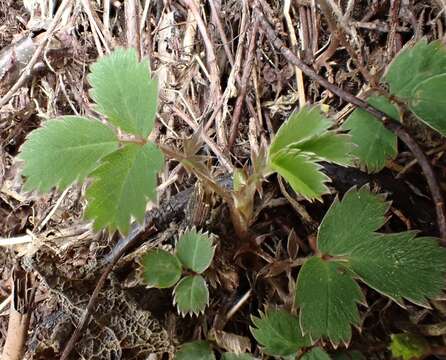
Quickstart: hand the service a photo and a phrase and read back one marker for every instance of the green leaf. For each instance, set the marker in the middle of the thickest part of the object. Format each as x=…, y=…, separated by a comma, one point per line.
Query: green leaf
x=191, y=295
x=197, y=350
x=414, y=64
x=374, y=143
x=401, y=266
x=232, y=356
x=161, y=269
x=301, y=172
x=306, y=123
x=195, y=250
x=409, y=346
x=300, y=144
x=316, y=354
x=397, y=265
x=359, y=214
x=278, y=332
x=331, y=147
x=327, y=296
x=428, y=102
x=348, y=355
x=122, y=184
x=65, y=150
x=124, y=92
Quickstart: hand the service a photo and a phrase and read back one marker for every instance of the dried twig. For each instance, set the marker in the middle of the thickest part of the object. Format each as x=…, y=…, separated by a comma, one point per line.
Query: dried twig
x=19, y=315
x=217, y=21
x=213, y=69
x=132, y=25
x=388, y=122
x=243, y=86
x=394, y=12
x=293, y=39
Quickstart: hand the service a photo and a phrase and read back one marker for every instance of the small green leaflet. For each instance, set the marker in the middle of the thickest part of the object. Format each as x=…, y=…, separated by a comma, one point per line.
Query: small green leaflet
x=374, y=143
x=337, y=294
x=409, y=346
x=414, y=64
x=303, y=125
x=197, y=350
x=400, y=266
x=316, y=354
x=124, y=92
x=122, y=184
x=330, y=147
x=301, y=172
x=428, y=102
x=278, y=332
x=191, y=295
x=195, y=250
x=161, y=269
x=358, y=215
x=65, y=150
x=300, y=144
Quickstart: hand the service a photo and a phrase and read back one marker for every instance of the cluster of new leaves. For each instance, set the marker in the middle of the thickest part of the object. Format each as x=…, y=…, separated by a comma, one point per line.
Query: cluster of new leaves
x=194, y=252
x=400, y=266
x=70, y=148
x=201, y=350
x=417, y=77
x=301, y=143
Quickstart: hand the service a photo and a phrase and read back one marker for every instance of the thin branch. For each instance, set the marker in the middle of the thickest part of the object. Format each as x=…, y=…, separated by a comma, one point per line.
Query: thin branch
x=243, y=86
x=221, y=31
x=293, y=39
x=132, y=25
x=388, y=122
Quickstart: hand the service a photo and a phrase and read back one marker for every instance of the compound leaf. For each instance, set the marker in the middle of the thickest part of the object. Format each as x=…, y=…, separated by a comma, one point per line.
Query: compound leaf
x=351, y=220
x=300, y=144
x=195, y=250
x=191, y=295
x=414, y=64
x=429, y=103
x=161, y=269
x=65, y=150
x=278, y=332
x=197, y=350
x=316, y=354
x=306, y=123
x=374, y=143
x=409, y=346
x=401, y=266
x=122, y=184
x=301, y=172
x=124, y=92
x=337, y=294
